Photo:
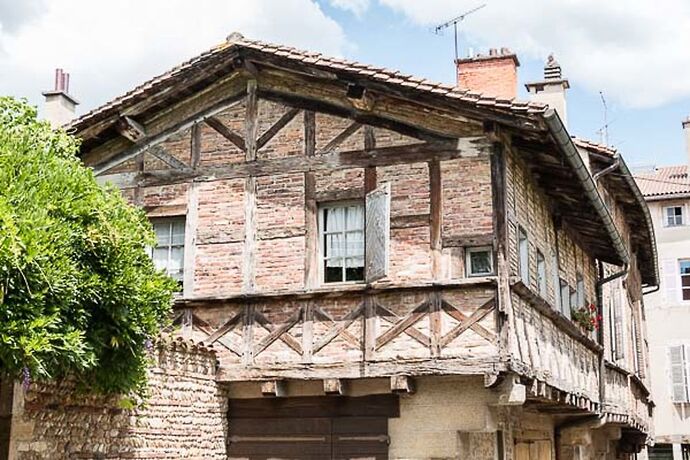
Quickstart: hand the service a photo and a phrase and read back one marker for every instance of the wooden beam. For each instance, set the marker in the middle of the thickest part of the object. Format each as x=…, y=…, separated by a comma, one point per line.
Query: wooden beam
x=334, y=387
x=191, y=225
x=435, y=326
x=340, y=138
x=249, y=248
x=251, y=122
x=226, y=132
x=196, y=146
x=407, y=321
x=162, y=136
x=187, y=323
x=402, y=384
x=311, y=240
x=385, y=156
x=162, y=154
x=274, y=388
x=131, y=129
x=435, y=217
x=276, y=127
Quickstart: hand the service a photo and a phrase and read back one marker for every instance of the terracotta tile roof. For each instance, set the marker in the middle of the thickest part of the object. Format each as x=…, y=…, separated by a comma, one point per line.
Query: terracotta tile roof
x=667, y=180
x=594, y=146
x=237, y=43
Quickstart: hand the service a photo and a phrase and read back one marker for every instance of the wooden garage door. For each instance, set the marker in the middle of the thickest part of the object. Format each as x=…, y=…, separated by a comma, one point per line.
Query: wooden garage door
x=311, y=428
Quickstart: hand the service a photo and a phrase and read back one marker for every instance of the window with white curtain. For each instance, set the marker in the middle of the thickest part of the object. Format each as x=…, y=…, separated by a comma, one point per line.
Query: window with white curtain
x=168, y=254
x=341, y=227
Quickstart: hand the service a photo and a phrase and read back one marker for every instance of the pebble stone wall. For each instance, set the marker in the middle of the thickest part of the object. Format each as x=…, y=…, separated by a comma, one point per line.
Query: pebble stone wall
x=184, y=417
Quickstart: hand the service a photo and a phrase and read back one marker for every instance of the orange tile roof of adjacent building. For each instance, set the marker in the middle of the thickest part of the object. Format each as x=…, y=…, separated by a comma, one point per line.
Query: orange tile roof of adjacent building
x=664, y=181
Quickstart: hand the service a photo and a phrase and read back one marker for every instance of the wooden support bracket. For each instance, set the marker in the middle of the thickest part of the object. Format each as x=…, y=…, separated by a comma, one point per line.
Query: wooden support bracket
x=402, y=384
x=334, y=386
x=274, y=388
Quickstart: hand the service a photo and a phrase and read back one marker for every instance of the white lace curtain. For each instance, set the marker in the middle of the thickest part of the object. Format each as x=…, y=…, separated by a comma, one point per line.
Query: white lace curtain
x=344, y=233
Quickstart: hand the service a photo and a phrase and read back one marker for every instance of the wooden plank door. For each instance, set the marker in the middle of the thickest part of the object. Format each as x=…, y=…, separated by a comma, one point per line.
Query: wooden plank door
x=360, y=438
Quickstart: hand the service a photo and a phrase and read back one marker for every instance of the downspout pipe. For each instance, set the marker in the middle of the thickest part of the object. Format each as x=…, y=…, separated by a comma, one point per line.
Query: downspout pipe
x=565, y=143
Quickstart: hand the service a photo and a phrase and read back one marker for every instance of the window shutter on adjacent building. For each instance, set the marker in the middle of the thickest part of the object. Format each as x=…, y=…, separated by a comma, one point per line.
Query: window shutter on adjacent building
x=377, y=239
x=668, y=267
x=679, y=378
x=618, y=322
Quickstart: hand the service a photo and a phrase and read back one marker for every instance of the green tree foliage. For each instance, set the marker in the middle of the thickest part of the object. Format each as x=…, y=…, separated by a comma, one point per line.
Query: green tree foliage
x=79, y=295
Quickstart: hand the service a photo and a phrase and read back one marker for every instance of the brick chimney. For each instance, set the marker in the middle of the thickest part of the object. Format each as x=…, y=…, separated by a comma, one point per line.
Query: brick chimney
x=686, y=131
x=60, y=106
x=494, y=74
x=552, y=89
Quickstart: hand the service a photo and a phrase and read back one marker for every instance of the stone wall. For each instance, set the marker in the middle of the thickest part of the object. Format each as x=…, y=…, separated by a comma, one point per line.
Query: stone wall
x=184, y=416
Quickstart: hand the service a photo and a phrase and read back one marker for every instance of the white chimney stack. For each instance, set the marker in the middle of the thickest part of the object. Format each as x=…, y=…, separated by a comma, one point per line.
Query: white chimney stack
x=60, y=107
x=552, y=89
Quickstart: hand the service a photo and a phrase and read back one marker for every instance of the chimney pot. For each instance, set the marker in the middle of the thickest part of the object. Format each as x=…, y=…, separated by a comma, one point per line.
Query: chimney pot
x=59, y=107
x=552, y=89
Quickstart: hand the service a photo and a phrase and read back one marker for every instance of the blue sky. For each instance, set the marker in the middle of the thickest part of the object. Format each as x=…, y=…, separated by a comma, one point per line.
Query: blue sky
x=645, y=136
x=635, y=51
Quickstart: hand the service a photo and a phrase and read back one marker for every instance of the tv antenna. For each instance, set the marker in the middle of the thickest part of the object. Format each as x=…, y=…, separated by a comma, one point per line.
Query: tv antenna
x=603, y=132
x=454, y=22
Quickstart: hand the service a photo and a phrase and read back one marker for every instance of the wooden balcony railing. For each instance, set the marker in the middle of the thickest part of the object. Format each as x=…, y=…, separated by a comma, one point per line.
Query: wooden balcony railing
x=351, y=333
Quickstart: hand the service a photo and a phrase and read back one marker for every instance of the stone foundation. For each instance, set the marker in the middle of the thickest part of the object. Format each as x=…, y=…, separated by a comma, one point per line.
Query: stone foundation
x=183, y=418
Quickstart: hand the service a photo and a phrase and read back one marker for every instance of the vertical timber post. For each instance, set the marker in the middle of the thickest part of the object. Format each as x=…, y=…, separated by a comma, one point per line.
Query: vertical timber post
x=370, y=184
x=498, y=187
x=249, y=255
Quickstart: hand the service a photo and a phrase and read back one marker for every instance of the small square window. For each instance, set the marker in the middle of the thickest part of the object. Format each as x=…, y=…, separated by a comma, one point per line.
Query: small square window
x=168, y=254
x=479, y=261
x=685, y=278
x=342, y=242
x=674, y=216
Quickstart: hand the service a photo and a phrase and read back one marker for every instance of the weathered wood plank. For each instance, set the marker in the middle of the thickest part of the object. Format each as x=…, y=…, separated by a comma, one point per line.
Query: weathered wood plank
x=407, y=321
x=274, y=388
x=251, y=122
x=468, y=322
x=191, y=225
x=435, y=305
x=103, y=161
x=162, y=154
x=435, y=217
x=131, y=129
x=384, y=156
x=278, y=333
x=196, y=146
x=390, y=317
x=276, y=127
x=226, y=132
x=224, y=329
x=340, y=138
x=339, y=328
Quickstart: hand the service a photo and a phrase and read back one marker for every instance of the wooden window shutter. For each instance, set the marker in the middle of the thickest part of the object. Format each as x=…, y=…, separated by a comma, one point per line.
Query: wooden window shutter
x=618, y=322
x=668, y=267
x=377, y=229
x=678, y=370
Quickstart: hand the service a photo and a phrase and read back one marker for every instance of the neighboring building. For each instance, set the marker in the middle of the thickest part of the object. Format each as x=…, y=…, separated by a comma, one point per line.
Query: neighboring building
x=387, y=267
x=667, y=191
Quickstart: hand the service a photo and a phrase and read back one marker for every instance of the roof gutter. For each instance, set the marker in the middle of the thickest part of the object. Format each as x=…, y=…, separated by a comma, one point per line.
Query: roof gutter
x=564, y=141
x=628, y=177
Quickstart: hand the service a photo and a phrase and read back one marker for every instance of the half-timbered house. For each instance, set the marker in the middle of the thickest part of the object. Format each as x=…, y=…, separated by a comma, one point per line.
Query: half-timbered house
x=387, y=267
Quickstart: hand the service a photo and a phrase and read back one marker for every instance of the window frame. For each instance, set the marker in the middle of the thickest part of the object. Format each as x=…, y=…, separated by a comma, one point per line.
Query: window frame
x=523, y=255
x=679, y=274
x=685, y=366
x=170, y=221
x=468, y=261
x=542, y=280
x=564, y=295
x=666, y=216
x=321, y=208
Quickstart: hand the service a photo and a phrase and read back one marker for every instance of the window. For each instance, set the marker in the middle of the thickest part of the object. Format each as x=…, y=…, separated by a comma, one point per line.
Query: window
x=479, y=261
x=685, y=278
x=615, y=320
x=541, y=274
x=673, y=216
x=168, y=254
x=573, y=300
x=523, y=253
x=580, y=289
x=678, y=362
x=342, y=242
x=565, y=298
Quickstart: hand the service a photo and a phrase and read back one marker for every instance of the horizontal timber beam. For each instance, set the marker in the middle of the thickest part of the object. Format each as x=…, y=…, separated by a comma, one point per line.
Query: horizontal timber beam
x=405, y=154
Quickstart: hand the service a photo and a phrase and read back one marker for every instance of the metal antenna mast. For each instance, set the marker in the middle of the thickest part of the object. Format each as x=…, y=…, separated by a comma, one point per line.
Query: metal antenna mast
x=604, y=130
x=454, y=22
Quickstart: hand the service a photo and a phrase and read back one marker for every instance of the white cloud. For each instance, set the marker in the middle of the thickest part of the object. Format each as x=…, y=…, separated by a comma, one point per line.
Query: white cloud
x=109, y=47
x=634, y=50
x=357, y=7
